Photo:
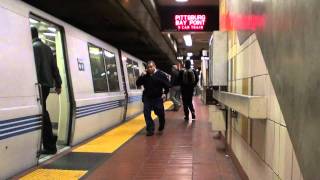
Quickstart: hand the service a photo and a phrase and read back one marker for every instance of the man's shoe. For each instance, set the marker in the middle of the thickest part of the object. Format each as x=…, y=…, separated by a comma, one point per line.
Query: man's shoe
x=160, y=128
x=193, y=116
x=149, y=133
x=46, y=151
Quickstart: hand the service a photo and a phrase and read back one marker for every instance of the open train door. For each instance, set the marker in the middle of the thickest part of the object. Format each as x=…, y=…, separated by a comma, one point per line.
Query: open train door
x=58, y=106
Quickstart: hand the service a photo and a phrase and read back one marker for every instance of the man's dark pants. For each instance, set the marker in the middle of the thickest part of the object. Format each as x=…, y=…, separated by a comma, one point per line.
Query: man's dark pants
x=187, y=95
x=49, y=142
x=155, y=104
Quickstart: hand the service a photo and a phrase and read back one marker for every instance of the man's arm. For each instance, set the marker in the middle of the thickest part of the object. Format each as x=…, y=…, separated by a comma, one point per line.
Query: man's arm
x=140, y=80
x=55, y=72
x=165, y=81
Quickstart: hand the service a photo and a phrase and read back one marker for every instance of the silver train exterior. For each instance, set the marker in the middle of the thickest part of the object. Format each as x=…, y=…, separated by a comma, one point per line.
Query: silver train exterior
x=80, y=112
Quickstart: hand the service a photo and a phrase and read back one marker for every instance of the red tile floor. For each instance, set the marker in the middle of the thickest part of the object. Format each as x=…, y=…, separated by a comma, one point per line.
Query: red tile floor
x=185, y=151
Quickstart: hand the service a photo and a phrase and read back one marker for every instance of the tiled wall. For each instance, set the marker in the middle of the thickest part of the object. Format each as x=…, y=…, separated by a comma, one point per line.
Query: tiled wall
x=263, y=147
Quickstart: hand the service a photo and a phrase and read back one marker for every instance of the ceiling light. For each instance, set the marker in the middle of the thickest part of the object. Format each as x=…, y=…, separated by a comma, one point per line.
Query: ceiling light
x=187, y=40
x=182, y=0
x=52, y=29
x=108, y=54
x=49, y=34
x=94, y=51
x=204, y=58
x=180, y=57
x=33, y=21
x=189, y=54
x=204, y=52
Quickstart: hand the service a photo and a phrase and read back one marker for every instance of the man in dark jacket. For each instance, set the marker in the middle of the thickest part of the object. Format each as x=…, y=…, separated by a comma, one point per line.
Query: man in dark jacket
x=48, y=77
x=189, y=79
x=175, y=88
x=156, y=85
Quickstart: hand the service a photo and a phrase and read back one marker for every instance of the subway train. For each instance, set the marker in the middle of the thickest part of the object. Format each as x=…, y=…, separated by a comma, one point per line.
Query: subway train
x=98, y=85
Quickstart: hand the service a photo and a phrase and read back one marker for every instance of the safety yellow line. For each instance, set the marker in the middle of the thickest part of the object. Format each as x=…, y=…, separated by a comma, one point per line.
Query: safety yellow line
x=112, y=140
x=54, y=174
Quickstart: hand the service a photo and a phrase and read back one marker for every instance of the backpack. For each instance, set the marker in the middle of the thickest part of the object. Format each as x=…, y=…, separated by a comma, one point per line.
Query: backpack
x=188, y=77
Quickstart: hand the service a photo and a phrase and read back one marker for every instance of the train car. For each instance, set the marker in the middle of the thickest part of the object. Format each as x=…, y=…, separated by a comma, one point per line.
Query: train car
x=98, y=85
x=133, y=67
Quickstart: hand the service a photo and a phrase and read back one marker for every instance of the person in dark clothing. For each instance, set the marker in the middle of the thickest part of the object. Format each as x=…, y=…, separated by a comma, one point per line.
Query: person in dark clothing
x=48, y=77
x=175, y=88
x=189, y=79
x=156, y=85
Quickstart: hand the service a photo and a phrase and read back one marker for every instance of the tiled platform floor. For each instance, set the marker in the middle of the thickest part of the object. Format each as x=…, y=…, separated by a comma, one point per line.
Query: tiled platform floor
x=184, y=151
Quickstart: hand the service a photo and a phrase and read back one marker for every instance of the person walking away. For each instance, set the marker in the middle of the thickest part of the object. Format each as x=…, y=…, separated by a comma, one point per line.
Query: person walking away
x=156, y=85
x=189, y=79
x=175, y=88
x=48, y=77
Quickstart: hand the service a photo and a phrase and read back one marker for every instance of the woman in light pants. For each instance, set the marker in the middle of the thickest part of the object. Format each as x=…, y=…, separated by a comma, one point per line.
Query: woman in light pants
x=175, y=97
x=175, y=88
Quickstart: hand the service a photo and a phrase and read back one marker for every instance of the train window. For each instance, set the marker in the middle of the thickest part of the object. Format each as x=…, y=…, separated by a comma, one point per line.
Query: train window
x=98, y=69
x=112, y=74
x=136, y=71
x=131, y=77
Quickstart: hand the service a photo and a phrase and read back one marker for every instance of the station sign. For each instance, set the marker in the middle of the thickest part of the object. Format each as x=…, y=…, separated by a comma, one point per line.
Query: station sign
x=190, y=22
x=192, y=19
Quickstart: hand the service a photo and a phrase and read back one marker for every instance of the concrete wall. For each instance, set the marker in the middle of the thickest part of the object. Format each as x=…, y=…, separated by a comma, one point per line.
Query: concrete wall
x=263, y=147
x=288, y=38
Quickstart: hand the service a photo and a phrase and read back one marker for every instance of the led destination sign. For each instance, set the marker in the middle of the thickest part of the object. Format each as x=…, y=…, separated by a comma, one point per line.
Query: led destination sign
x=190, y=22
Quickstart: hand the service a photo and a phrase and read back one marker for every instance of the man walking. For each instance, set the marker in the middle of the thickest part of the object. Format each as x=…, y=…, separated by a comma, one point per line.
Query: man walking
x=156, y=85
x=189, y=80
x=175, y=88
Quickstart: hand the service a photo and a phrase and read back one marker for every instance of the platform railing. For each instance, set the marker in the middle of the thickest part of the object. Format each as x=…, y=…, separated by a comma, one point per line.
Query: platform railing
x=253, y=107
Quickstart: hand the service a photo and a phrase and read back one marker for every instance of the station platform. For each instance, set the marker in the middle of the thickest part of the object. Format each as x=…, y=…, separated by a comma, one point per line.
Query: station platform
x=185, y=150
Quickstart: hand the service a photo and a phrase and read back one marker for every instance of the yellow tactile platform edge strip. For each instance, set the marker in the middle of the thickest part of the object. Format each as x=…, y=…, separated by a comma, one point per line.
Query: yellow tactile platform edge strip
x=112, y=140
x=54, y=174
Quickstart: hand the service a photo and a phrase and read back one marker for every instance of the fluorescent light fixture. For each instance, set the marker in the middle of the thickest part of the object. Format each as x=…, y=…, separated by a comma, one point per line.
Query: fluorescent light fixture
x=204, y=52
x=33, y=21
x=180, y=57
x=204, y=58
x=49, y=34
x=189, y=54
x=181, y=0
x=108, y=54
x=187, y=40
x=52, y=29
x=95, y=51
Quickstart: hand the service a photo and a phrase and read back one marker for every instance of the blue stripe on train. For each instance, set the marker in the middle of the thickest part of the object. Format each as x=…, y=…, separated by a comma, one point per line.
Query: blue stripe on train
x=97, y=108
x=21, y=125
x=134, y=98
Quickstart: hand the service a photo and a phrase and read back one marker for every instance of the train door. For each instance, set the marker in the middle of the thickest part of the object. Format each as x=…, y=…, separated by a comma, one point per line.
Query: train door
x=58, y=106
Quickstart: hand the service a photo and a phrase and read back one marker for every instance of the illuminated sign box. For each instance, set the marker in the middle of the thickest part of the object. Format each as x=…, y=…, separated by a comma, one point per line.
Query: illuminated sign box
x=190, y=22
